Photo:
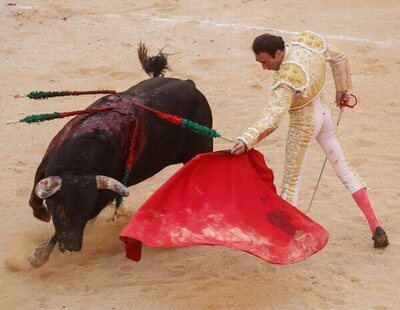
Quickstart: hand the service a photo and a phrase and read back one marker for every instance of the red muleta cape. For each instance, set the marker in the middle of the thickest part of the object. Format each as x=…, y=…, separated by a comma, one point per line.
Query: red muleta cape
x=222, y=199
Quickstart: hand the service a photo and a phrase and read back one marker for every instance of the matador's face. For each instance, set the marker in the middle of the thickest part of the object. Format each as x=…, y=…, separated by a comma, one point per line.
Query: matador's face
x=268, y=62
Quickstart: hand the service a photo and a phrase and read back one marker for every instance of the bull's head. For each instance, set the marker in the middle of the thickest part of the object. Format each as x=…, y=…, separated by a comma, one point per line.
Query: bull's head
x=72, y=200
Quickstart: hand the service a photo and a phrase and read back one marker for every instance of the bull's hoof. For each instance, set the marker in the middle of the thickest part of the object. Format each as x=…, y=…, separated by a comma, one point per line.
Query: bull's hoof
x=37, y=259
x=380, y=238
x=41, y=254
x=42, y=214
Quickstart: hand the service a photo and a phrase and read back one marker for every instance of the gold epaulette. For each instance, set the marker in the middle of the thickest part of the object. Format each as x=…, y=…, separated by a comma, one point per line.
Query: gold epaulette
x=311, y=41
x=291, y=74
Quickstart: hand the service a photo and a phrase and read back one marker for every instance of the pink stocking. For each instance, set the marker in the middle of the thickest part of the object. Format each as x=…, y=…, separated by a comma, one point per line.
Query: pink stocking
x=361, y=198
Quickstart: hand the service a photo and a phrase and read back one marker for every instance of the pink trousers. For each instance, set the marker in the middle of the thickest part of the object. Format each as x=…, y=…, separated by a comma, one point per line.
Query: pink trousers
x=315, y=121
x=306, y=124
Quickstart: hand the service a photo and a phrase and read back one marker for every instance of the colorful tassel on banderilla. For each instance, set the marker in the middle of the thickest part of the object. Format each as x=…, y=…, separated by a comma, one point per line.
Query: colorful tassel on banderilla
x=184, y=123
x=38, y=95
x=173, y=119
x=37, y=118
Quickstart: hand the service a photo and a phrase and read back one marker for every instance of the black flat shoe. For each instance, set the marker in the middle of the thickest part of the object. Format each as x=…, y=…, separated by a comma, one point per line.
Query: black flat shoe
x=380, y=238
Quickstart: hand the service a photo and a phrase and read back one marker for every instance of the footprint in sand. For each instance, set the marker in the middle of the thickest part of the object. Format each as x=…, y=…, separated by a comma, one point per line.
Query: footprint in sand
x=378, y=69
x=85, y=71
x=256, y=86
x=120, y=75
x=374, y=65
x=22, y=192
x=162, y=6
x=206, y=62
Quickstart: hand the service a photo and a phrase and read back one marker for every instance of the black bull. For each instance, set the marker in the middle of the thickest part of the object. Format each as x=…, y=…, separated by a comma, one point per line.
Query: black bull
x=77, y=176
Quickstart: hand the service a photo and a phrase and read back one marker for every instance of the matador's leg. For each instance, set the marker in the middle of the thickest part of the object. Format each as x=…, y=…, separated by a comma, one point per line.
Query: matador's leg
x=329, y=142
x=300, y=135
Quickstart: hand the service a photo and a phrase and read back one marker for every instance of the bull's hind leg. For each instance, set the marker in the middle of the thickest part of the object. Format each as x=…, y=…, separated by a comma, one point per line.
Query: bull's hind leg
x=39, y=210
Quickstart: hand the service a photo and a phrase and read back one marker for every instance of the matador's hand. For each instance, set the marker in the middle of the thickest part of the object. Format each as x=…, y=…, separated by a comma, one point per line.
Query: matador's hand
x=342, y=97
x=238, y=147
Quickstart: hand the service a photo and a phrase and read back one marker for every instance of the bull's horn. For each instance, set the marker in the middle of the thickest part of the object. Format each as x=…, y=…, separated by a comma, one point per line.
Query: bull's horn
x=48, y=187
x=104, y=182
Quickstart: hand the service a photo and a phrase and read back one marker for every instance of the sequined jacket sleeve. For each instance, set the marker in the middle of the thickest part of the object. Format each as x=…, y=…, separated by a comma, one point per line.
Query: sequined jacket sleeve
x=278, y=102
x=340, y=68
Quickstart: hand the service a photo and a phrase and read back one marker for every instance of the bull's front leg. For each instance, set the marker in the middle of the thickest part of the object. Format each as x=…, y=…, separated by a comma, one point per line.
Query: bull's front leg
x=41, y=254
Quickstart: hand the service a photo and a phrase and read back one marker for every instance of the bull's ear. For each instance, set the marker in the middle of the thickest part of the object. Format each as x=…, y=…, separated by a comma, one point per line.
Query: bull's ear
x=104, y=182
x=48, y=187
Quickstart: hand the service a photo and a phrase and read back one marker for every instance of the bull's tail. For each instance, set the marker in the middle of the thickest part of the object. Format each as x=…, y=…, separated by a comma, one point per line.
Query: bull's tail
x=153, y=65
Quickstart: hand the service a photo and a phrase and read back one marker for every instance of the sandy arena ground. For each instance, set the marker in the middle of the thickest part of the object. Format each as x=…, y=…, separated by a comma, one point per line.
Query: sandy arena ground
x=74, y=45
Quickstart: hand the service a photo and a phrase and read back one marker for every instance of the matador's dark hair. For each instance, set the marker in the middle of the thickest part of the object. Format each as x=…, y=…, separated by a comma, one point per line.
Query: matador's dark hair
x=268, y=43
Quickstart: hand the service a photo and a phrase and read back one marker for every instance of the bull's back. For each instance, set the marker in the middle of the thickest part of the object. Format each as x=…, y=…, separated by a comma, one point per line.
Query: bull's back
x=162, y=143
x=176, y=96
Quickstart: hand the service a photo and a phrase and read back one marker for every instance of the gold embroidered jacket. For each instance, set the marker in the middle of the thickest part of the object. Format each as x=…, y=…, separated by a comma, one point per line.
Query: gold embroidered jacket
x=300, y=78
